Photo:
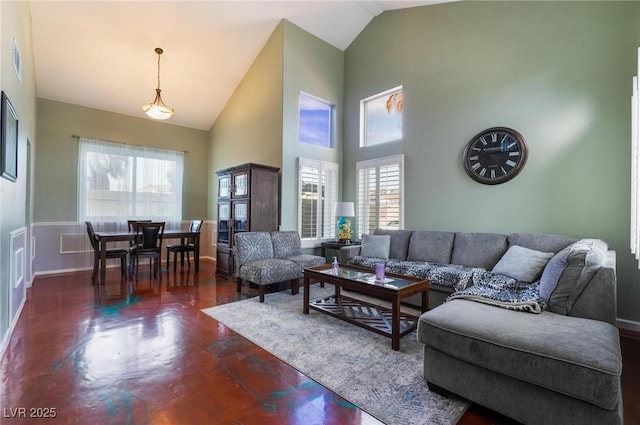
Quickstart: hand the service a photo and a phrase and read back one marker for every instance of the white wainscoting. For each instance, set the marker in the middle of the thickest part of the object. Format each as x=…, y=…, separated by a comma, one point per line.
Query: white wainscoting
x=17, y=269
x=64, y=246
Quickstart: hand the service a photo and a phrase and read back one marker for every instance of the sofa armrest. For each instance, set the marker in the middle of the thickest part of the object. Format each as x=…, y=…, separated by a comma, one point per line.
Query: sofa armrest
x=598, y=299
x=347, y=252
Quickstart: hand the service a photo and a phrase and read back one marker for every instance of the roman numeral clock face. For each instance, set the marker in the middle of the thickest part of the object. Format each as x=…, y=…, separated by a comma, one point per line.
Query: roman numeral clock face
x=495, y=155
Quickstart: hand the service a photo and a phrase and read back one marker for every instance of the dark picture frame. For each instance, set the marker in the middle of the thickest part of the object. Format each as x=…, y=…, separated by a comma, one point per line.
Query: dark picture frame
x=8, y=141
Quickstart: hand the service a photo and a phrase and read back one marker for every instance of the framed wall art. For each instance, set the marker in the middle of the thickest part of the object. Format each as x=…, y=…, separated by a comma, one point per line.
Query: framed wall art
x=8, y=141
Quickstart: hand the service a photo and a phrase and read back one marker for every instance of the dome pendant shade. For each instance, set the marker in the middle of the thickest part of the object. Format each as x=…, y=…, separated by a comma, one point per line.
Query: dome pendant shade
x=157, y=109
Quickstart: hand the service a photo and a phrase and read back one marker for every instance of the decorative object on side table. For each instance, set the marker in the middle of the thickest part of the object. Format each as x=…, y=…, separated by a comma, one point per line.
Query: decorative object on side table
x=344, y=212
x=9, y=141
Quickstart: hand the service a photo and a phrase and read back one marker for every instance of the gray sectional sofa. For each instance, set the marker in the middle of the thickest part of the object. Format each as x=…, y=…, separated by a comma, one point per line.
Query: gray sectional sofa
x=523, y=324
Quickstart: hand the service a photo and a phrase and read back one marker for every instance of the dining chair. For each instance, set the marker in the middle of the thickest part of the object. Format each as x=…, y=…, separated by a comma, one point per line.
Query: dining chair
x=149, y=235
x=120, y=253
x=184, y=247
x=131, y=225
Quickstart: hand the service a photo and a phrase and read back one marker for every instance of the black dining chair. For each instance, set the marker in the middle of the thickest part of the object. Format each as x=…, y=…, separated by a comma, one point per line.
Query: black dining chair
x=149, y=236
x=131, y=225
x=120, y=253
x=184, y=247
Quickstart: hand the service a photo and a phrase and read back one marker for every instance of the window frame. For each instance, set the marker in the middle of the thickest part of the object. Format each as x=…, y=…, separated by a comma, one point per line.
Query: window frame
x=635, y=166
x=132, y=153
x=364, y=204
x=325, y=209
x=365, y=124
x=330, y=142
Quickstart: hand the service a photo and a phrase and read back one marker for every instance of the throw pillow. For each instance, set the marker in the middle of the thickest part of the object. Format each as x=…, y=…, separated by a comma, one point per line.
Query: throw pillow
x=375, y=246
x=522, y=264
x=569, y=272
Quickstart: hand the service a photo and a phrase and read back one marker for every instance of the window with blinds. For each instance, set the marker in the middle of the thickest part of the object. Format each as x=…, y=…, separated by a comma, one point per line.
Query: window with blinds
x=380, y=189
x=318, y=193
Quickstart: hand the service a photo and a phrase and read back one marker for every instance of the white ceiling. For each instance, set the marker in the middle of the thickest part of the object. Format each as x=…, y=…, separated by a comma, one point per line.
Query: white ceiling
x=100, y=54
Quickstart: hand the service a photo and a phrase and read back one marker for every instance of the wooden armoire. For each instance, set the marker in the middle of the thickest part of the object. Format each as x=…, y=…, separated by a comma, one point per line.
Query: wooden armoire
x=248, y=201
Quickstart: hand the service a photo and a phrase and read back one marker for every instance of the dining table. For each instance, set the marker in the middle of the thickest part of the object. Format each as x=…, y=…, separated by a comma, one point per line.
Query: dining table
x=105, y=238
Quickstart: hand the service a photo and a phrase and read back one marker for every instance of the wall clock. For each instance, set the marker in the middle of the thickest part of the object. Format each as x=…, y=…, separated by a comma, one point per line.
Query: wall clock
x=495, y=155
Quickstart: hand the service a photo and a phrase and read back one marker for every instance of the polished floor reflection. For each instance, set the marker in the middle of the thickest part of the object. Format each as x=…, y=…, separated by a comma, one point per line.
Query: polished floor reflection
x=142, y=352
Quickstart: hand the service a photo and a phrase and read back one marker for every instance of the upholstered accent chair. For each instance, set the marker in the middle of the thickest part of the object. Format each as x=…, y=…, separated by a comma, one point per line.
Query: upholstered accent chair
x=264, y=258
x=287, y=245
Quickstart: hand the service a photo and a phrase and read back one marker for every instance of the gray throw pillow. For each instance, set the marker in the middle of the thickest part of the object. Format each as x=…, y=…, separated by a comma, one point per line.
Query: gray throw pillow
x=375, y=246
x=569, y=272
x=522, y=264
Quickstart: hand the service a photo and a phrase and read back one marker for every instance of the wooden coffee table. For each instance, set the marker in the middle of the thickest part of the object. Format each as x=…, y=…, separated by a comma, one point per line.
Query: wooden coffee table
x=388, y=322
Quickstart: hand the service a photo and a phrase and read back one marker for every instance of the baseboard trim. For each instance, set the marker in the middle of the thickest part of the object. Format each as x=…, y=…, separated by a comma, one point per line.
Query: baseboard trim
x=81, y=269
x=629, y=325
x=7, y=336
x=60, y=271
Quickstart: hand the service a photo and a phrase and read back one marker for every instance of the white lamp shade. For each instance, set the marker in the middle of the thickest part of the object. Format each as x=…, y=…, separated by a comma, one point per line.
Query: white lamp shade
x=345, y=209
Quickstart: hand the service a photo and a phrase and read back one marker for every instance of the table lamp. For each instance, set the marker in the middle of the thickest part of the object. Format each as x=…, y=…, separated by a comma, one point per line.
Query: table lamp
x=344, y=212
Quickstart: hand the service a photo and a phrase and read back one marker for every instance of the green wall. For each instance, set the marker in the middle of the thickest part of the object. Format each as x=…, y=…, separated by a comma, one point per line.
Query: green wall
x=15, y=215
x=56, y=166
x=314, y=67
x=260, y=121
x=558, y=72
x=249, y=128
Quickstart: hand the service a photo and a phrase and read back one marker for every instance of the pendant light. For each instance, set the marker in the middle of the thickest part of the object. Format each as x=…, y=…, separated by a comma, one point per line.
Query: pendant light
x=157, y=109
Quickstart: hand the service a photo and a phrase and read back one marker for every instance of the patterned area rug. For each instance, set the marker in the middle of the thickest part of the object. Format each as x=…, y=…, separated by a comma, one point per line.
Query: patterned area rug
x=355, y=363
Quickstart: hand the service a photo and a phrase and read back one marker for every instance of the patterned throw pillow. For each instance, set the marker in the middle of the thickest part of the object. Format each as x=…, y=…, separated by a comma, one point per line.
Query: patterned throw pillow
x=522, y=264
x=375, y=246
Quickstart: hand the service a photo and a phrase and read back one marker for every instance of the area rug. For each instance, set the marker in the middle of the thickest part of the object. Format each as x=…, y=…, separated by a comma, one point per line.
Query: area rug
x=357, y=364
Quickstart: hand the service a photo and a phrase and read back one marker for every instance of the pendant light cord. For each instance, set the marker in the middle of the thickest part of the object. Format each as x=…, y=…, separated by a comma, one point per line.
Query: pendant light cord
x=159, y=52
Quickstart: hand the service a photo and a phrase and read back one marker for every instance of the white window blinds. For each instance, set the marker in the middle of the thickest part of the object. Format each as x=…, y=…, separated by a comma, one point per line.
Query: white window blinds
x=380, y=194
x=318, y=193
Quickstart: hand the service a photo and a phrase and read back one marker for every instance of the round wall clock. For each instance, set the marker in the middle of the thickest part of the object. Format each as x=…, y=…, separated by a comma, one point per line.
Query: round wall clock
x=495, y=155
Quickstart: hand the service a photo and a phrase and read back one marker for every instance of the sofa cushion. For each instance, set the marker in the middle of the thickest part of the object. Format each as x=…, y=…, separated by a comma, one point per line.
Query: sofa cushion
x=286, y=244
x=522, y=264
x=446, y=275
x=399, y=242
x=307, y=260
x=569, y=271
x=574, y=356
x=272, y=270
x=540, y=241
x=376, y=246
x=478, y=249
x=433, y=247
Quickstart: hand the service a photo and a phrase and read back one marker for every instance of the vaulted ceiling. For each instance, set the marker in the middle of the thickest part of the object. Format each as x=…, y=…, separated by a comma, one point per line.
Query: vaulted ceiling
x=100, y=54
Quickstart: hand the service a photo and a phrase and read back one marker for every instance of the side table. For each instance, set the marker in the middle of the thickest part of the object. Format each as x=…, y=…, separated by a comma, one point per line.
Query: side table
x=334, y=245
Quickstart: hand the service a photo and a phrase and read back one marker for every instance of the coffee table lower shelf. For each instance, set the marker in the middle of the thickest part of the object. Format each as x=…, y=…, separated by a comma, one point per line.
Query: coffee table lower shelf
x=366, y=315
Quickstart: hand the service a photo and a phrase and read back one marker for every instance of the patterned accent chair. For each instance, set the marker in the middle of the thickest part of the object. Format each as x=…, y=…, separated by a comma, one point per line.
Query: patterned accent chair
x=265, y=258
x=254, y=263
x=286, y=244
